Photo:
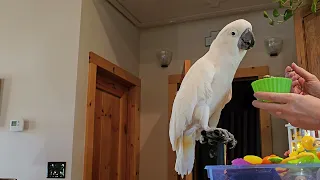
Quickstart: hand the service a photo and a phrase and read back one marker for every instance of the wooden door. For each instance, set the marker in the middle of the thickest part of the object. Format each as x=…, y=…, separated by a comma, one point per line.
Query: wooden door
x=112, y=135
x=307, y=29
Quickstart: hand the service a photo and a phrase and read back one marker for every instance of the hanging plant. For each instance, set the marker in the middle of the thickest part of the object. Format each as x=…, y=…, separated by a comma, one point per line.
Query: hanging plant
x=290, y=7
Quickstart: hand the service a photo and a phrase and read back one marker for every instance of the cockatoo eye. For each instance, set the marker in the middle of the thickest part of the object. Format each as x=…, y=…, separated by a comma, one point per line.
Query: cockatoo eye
x=233, y=33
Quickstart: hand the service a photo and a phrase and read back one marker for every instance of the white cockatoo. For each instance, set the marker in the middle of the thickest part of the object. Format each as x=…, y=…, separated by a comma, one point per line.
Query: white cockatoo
x=205, y=90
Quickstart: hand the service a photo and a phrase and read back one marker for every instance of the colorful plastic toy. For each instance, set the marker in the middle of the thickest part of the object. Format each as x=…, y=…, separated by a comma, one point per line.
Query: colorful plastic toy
x=276, y=160
x=307, y=143
x=266, y=160
x=300, y=147
x=305, y=149
x=295, y=136
x=253, y=159
x=240, y=162
x=294, y=158
x=303, y=157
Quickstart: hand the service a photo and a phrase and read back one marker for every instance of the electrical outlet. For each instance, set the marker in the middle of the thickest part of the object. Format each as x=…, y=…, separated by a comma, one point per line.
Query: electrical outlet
x=56, y=170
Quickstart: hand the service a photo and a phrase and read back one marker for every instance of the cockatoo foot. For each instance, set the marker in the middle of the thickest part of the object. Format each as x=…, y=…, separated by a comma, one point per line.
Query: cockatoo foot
x=218, y=135
x=208, y=129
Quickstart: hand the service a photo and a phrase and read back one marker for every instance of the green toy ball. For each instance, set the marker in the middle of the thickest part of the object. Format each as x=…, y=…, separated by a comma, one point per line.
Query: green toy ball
x=275, y=160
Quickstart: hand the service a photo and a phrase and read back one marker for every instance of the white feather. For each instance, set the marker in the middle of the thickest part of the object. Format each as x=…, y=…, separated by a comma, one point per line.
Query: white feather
x=203, y=93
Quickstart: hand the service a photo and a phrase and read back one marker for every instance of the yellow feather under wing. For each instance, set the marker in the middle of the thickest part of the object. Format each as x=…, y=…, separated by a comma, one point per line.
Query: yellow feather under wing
x=185, y=154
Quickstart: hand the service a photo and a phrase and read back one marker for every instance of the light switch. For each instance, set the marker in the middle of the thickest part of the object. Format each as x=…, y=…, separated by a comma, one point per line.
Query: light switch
x=16, y=125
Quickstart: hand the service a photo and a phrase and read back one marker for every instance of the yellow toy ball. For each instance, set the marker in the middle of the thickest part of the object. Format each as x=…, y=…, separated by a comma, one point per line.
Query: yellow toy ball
x=253, y=159
x=294, y=153
x=300, y=147
x=308, y=143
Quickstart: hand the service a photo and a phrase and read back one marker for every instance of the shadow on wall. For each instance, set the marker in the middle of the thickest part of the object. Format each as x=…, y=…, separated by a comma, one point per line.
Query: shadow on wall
x=152, y=149
x=120, y=35
x=104, y=31
x=5, y=89
x=177, y=39
x=154, y=119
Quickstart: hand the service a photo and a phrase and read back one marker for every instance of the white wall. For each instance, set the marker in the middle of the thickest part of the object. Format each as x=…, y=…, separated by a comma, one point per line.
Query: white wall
x=38, y=62
x=187, y=42
x=45, y=82
x=107, y=33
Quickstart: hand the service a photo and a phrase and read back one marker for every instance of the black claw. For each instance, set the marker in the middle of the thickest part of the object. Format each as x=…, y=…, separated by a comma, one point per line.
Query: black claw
x=203, y=133
x=213, y=138
x=218, y=132
x=218, y=136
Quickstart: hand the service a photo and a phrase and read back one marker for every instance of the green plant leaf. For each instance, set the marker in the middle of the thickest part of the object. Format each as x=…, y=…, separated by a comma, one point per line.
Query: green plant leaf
x=280, y=4
x=287, y=14
x=314, y=6
x=276, y=13
x=265, y=14
x=271, y=22
x=283, y=2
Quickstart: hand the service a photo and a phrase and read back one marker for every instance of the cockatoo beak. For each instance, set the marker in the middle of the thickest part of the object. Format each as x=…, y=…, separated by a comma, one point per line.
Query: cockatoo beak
x=246, y=40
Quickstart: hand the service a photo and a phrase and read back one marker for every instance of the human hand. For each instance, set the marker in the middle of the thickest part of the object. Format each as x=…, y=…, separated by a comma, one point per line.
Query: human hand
x=287, y=153
x=303, y=82
x=299, y=110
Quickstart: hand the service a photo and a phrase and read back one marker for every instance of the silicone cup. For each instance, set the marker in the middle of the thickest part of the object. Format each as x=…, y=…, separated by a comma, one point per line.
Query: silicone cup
x=273, y=84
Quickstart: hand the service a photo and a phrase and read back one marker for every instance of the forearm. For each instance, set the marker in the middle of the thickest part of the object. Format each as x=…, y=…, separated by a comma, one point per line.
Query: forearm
x=316, y=91
x=314, y=109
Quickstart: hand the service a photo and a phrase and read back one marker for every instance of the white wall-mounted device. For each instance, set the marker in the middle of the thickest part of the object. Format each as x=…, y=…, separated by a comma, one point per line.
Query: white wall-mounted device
x=16, y=125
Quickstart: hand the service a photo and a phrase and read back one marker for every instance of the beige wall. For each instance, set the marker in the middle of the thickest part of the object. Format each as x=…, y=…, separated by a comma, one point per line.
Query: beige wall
x=44, y=69
x=187, y=42
x=44, y=64
x=38, y=67
x=105, y=32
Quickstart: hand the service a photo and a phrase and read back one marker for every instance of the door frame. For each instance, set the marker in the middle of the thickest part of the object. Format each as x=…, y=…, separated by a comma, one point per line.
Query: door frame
x=299, y=16
x=97, y=65
x=265, y=117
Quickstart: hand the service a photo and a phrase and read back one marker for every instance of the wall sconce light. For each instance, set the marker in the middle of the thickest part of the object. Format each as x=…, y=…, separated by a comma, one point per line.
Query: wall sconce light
x=165, y=57
x=273, y=46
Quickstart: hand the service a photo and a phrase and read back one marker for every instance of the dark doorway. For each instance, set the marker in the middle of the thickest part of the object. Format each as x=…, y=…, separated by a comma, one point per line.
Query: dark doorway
x=241, y=119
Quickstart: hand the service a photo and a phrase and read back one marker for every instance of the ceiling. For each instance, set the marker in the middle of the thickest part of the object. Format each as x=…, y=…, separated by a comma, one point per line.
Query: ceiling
x=151, y=13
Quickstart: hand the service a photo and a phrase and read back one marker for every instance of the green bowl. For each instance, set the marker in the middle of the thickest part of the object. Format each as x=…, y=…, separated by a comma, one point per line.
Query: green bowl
x=272, y=84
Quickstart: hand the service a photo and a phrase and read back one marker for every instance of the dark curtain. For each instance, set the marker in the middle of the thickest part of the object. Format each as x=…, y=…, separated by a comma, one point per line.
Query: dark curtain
x=242, y=120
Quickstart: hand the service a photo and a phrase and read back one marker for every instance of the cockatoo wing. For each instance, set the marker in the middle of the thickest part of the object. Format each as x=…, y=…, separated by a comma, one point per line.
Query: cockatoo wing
x=214, y=119
x=194, y=91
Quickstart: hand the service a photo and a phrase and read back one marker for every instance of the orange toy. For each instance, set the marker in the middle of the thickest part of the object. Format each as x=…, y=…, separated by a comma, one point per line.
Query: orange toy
x=266, y=160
